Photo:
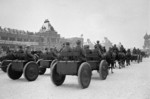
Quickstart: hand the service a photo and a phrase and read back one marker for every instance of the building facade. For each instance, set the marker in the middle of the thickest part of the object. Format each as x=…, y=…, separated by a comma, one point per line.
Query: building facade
x=46, y=37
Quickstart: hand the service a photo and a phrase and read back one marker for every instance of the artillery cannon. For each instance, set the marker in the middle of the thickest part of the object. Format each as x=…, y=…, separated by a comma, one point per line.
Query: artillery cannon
x=81, y=68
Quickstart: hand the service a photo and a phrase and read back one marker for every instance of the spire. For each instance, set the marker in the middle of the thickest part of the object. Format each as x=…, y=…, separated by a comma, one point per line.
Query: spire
x=146, y=37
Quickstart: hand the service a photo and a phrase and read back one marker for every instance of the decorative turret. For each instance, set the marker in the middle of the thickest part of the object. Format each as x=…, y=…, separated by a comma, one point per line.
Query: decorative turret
x=46, y=26
x=146, y=37
x=146, y=41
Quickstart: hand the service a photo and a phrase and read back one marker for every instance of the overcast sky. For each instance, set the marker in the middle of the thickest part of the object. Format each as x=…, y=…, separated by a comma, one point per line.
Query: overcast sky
x=124, y=21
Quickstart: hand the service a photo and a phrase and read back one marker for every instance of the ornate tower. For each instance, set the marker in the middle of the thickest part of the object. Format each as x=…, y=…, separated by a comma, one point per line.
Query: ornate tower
x=146, y=41
x=46, y=26
x=50, y=38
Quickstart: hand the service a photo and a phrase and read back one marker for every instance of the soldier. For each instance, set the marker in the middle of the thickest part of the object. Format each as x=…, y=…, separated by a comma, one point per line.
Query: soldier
x=20, y=49
x=53, y=53
x=122, y=49
x=19, y=53
x=80, y=50
x=104, y=50
x=96, y=50
x=87, y=49
x=62, y=47
x=46, y=51
x=28, y=55
x=99, y=46
x=67, y=48
x=115, y=49
x=134, y=51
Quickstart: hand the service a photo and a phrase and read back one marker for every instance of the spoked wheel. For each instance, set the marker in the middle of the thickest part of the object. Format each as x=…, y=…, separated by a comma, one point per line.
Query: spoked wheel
x=4, y=66
x=54, y=61
x=84, y=75
x=103, y=70
x=56, y=78
x=42, y=71
x=31, y=71
x=138, y=59
x=12, y=73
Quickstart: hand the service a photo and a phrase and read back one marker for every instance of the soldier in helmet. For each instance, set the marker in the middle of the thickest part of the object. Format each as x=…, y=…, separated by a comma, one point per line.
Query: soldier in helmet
x=99, y=46
x=115, y=49
x=67, y=48
x=134, y=51
x=28, y=55
x=122, y=49
x=62, y=47
x=20, y=53
x=20, y=49
x=79, y=49
x=96, y=50
x=87, y=49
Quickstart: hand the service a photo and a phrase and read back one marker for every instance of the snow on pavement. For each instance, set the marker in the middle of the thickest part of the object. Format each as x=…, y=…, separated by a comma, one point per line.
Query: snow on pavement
x=132, y=82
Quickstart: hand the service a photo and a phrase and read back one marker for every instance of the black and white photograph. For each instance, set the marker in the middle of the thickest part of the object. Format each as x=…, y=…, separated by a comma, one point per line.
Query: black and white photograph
x=74, y=49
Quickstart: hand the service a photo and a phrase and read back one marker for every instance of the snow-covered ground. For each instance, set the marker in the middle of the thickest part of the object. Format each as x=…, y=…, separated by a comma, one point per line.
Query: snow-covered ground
x=132, y=82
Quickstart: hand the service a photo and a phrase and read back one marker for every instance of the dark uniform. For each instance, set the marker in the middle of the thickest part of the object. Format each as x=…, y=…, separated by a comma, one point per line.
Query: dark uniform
x=28, y=55
x=87, y=50
x=80, y=50
x=67, y=48
x=122, y=49
x=20, y=54
x=99, y=46
x=134, y=51
x=96, y=50
x=115, y=49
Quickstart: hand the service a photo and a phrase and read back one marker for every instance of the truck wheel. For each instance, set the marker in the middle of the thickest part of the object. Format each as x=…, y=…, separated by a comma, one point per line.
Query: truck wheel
x=31, y=71
x=12, y=73
x=56, y=78
x=103, y=70
x=84, y=75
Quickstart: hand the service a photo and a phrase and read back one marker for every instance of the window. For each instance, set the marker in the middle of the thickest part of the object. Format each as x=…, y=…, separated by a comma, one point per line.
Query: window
x=26, y=40
x=12, y=39
x=53, y=40
x=4, y=38
x=31, y=40
x=19, y=39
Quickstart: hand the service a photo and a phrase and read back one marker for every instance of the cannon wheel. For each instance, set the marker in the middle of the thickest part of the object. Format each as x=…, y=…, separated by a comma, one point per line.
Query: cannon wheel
x=103, y=70
x=4, y=67
x=41, y=70
x=31, y=71
x=138, y=59
x=12, y=73
x=84, y=75
x=53, y=63
x=56, y=78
